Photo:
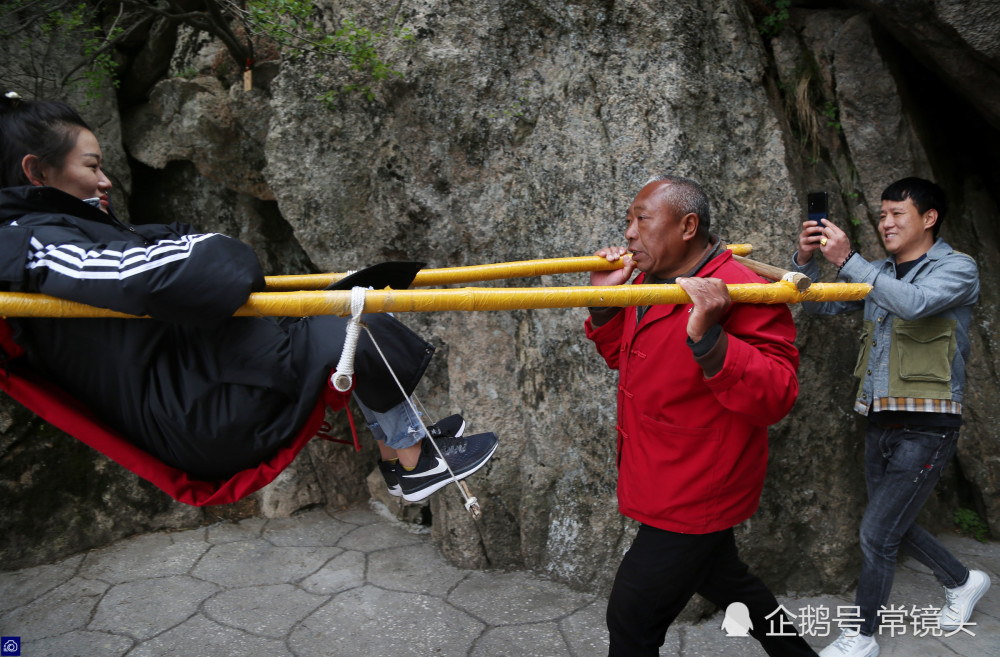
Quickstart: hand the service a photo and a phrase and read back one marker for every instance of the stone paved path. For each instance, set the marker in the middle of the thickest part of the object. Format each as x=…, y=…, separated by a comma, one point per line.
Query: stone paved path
x=353, y=583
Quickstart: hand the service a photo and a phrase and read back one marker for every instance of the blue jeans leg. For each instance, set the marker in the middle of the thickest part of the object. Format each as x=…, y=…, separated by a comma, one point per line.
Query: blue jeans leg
x=902, y=466
x=398, y=427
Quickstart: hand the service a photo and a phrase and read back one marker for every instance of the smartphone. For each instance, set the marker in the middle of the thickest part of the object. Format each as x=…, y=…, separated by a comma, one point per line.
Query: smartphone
x=816, y=206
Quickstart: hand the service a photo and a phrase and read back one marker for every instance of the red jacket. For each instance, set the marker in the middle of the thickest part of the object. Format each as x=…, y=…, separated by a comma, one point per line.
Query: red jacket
x=692, y=452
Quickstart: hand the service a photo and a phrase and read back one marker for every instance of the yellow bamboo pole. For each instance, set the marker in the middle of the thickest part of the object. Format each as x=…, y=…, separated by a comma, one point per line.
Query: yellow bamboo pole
x=25, y=304
x=473, y=273
x=338, y=302
x=295, y=304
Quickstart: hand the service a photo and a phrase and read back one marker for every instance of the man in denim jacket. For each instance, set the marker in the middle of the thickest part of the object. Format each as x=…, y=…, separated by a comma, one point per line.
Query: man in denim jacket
x=915, y=345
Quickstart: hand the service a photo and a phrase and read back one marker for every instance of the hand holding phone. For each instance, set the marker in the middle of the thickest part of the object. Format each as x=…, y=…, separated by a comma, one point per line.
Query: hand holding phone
x=812, y=228
x=820, y=234
x=817, y=206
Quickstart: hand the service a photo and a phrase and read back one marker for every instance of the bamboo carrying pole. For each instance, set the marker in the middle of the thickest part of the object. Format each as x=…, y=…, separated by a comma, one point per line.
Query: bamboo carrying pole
x=478, y=299
x=479, y=273
x=338, y=302
x=306, y=300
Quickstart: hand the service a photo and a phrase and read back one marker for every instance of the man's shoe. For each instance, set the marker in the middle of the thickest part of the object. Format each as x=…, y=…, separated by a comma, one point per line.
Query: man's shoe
x=961, y=600
x=451, y=426
x=851, y=644
x=463, y=455
x=388, y=470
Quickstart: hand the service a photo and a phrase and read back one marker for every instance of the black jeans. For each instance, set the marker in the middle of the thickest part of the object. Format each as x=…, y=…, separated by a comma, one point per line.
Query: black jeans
x=902, y=466
x=660, y=573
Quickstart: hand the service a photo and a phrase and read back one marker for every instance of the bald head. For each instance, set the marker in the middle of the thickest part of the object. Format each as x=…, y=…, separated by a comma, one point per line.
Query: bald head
x=665, y=236
x=686, y=197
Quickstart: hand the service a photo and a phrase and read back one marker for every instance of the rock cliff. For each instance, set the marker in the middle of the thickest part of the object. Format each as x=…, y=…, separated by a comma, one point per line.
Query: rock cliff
x=522, y=130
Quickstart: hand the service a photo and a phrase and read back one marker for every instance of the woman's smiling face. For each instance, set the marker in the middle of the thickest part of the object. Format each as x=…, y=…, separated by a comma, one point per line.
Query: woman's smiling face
x=80, y=174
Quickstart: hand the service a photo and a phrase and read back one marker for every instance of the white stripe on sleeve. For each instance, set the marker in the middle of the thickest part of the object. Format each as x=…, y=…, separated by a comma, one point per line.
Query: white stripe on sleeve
x=72, y=261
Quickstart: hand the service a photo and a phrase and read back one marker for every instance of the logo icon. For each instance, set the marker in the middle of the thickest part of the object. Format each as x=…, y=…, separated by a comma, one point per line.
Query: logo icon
x=10, y=645
x=440, y=467
x=737, y=621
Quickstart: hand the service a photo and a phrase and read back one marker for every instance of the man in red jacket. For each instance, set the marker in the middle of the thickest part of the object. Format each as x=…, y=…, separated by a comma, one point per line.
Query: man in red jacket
x=698, y=385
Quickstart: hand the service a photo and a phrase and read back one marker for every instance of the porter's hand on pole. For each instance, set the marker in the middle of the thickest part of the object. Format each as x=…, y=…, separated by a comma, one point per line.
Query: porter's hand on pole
x=710, y=297
x=613, y=276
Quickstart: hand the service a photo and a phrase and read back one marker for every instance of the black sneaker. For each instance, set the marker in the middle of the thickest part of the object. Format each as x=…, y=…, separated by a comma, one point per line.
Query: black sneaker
x=464, y=456
x=388, y=470
x=451, y=426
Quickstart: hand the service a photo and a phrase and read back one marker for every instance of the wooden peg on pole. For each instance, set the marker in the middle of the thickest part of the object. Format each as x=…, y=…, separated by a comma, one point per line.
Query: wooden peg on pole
x=770, y=272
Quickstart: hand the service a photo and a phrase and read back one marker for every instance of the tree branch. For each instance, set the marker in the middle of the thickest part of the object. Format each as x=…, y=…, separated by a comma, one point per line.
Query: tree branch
x=110, y=43
x=32, y=16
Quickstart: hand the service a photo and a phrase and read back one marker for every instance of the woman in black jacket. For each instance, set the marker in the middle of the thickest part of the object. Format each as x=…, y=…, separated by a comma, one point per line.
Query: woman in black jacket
x=197, y=388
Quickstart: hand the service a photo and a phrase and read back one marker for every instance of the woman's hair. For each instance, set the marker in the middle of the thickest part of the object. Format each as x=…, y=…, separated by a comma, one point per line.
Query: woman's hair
x=47, y=129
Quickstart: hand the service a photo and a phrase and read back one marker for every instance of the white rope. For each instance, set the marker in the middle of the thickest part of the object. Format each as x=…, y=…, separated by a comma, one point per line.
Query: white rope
x=471, y=503
x=343, y=376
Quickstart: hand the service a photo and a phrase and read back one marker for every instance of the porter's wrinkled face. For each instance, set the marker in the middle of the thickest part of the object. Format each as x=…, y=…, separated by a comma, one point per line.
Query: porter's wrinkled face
x=654, y=233
x=906, y=233
x=80, y=174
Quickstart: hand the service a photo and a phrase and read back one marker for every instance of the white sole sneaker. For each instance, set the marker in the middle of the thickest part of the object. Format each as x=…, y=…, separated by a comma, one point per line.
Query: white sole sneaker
x=962, y=600
x=438, y=477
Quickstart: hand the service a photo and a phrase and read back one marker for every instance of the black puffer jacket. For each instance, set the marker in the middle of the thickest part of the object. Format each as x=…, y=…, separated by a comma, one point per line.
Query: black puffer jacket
x=201, y=390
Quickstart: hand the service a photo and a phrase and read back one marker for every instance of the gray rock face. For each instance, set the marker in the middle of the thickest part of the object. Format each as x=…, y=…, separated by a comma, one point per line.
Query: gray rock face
x=960, y=41
x=522, y=130
x=232, y=155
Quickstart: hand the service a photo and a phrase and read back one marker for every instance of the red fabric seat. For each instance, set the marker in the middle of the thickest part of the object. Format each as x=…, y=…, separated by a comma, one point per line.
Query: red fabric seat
x=60, y=410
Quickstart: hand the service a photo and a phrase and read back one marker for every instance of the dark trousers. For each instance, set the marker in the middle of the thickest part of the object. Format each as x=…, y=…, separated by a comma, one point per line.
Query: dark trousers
x=902, y=466
x=660, y=573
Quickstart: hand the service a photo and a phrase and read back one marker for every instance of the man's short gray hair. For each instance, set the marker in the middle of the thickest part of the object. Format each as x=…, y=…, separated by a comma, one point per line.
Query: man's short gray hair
x=687, y=196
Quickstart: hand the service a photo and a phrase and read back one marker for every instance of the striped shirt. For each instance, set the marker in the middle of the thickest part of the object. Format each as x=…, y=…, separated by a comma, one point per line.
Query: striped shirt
x=909, y=404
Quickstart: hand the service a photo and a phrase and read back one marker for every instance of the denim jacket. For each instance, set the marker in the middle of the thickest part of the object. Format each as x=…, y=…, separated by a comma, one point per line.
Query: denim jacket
x=915, y=339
